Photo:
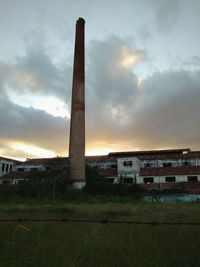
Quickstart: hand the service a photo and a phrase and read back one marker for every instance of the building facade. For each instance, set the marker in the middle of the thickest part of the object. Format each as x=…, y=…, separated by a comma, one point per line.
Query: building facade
x=155, y=170
x=6, y=165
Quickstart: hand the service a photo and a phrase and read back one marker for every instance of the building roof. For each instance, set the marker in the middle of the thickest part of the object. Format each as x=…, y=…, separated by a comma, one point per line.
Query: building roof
x=166, y=171
x=143, y=155
x=101, y=158
x=149, y=152
x=189, y=155
x=9, y=159
x=40, y=160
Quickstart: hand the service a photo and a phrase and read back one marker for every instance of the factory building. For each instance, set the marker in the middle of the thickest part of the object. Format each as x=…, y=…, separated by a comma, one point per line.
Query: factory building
x=154, y=170
x=6, y=165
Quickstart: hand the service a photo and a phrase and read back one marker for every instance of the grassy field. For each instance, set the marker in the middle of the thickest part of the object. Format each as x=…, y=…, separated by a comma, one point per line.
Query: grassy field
x=83, y=244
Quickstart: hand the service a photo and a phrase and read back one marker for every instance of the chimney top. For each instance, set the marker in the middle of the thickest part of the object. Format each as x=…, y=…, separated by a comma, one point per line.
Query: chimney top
x=81, y=20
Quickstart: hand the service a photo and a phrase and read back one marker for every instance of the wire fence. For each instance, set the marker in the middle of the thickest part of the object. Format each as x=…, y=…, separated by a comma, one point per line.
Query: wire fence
x=94, y=221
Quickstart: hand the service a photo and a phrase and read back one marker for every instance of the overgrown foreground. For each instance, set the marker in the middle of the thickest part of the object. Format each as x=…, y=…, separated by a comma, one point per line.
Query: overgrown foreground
x=99, y=244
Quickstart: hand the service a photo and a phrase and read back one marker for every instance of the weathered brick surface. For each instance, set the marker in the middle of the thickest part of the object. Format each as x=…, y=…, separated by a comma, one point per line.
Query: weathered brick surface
x=77, y=127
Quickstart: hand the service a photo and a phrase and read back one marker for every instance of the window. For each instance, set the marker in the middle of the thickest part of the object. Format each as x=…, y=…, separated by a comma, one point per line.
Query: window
x=128, y=163
x=128, y=180
x=111, y=180
x=21, y=170
x=192, y=179
x=148, y=180
x=167, y=164
x=10, y=168
x=170, y=179
x=147, y=165
x=3, y=167
x=186, y=163
x=7, y=166
x=114, y=166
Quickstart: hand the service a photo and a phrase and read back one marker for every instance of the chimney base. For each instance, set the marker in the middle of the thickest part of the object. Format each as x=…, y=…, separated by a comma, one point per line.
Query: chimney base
x=78, y=185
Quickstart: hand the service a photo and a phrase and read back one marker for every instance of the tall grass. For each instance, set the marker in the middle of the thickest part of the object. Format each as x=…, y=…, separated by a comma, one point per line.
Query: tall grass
x=60, y=244
x=101, y=208
x=72, y=244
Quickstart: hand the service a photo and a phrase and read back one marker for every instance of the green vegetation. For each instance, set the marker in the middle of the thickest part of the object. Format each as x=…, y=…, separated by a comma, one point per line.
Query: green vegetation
x=100, y=245
x=84, y=244
x=54, y=183
x=88, y=207
x=67, y=244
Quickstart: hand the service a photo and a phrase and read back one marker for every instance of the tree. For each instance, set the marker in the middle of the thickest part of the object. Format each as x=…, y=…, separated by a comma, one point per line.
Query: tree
x=49, y=182
x=93, y=176
x=58, y=174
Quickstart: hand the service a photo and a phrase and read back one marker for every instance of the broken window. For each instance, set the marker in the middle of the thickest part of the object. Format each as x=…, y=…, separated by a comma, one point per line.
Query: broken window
x=21, y=170
x=3, y=167
x=147, y=165
x=148, y=180
x=167, y=164
x=128, y=163
x=186, y=163
x=128, y=180
x=114, y=166
x=170, y=179
x=192, y=179
x=7, y=166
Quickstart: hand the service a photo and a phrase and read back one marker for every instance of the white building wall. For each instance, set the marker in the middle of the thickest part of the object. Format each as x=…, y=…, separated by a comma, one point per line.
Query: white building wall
x=102, y=164
x=28, y=167
x=197, y=161
x=128, y=167
x=6, y=166
x=174, y=162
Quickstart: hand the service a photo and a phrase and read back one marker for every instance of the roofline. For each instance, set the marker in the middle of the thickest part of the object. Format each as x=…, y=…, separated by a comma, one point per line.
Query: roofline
x=5, y=158
x=150, y=152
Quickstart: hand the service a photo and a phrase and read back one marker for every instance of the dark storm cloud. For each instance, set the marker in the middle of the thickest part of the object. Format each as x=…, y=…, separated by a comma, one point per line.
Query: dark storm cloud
x=35, y=127
x=167, y=110
x=166, y=13
x=162, y=112
x=194, y=61
x=111, y=82
x=4, y=73
x=111, y=87
x=109, y=79
x=36, y=73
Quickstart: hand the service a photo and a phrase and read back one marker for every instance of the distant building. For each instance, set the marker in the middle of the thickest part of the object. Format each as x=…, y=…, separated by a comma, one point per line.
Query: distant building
x=6, y=165
x=156, y=170
x=30, y=165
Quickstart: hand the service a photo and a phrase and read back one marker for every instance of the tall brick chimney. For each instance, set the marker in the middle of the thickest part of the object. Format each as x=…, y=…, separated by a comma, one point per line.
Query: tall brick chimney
x=77, y=126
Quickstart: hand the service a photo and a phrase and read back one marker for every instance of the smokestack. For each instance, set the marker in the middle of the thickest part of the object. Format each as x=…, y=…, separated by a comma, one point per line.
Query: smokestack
x=77, y=125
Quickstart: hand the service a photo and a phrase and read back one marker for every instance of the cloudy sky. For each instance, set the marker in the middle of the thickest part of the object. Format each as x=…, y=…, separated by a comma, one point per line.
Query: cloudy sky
x=142, y=75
